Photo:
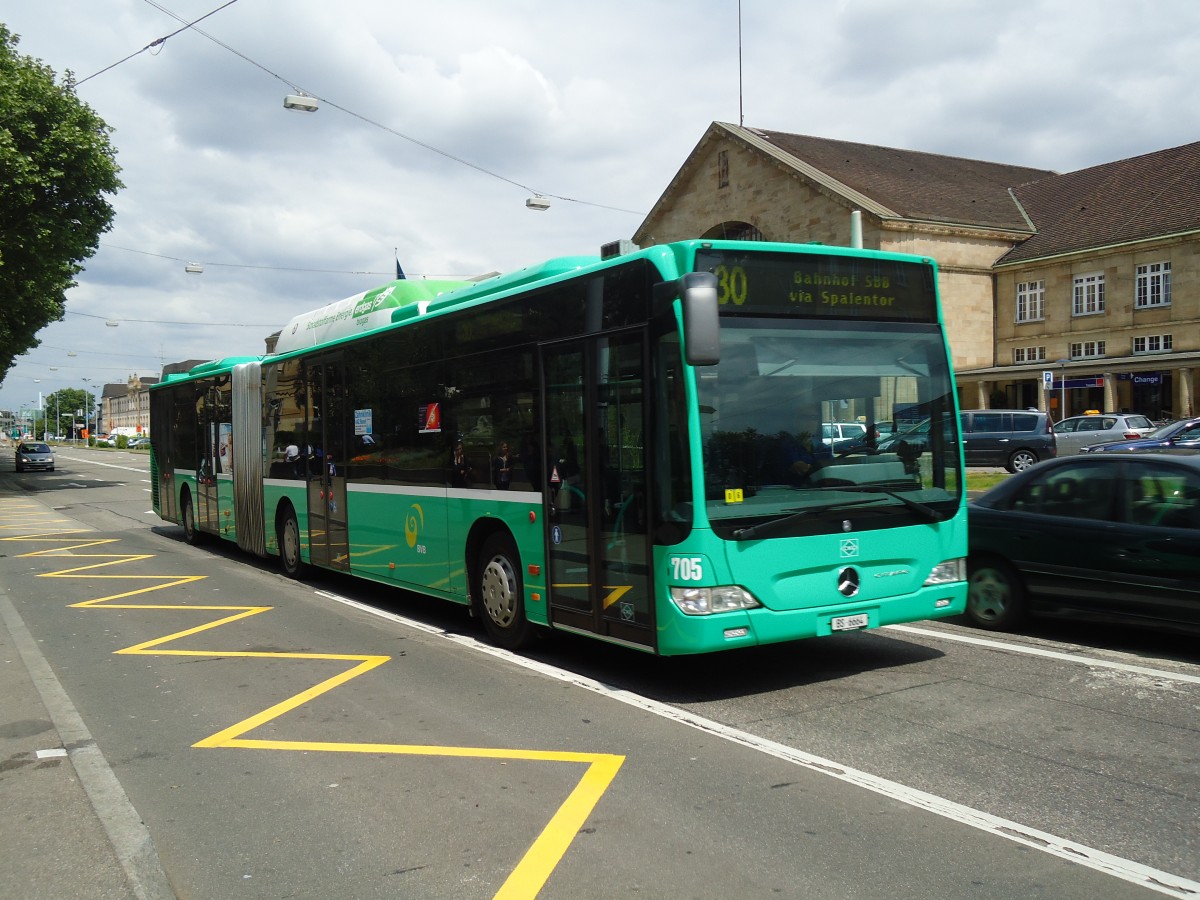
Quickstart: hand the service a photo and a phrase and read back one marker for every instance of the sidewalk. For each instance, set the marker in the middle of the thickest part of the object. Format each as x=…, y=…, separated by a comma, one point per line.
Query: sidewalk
x=65, y=814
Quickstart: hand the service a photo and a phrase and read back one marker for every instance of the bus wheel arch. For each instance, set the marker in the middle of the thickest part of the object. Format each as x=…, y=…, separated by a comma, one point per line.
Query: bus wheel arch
x=288, y=537
x=497, y=587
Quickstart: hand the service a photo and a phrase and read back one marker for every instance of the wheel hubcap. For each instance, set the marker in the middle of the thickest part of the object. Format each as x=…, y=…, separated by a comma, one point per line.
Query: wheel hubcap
x=498, y=586
x=291, y=542
x=989, y=595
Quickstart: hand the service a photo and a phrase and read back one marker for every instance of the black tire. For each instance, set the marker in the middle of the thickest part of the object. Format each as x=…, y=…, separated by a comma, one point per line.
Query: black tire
x=500, y=590
x=1021, y=460
x=187, y=516
x=287, y=532
x=995, y=595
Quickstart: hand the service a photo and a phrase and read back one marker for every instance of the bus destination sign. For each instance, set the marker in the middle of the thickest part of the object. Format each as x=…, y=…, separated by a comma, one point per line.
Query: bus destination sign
x=835, y=287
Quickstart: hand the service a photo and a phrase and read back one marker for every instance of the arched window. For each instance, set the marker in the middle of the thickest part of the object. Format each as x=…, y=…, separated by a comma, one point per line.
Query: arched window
x=734, y=231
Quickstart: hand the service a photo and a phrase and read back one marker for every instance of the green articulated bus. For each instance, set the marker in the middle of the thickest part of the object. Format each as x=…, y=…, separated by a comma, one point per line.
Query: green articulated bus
x=627, y=446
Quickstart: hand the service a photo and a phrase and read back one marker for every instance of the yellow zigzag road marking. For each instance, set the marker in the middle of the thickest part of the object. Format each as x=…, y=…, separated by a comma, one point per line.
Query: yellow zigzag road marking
x=539, y=861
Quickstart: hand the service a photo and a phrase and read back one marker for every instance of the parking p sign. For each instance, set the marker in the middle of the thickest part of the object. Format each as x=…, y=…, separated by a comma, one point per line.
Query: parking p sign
x=1048, y=379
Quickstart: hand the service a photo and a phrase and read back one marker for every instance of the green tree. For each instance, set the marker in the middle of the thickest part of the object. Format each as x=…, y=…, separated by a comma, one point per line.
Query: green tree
x=56, y=165
x=61, y=407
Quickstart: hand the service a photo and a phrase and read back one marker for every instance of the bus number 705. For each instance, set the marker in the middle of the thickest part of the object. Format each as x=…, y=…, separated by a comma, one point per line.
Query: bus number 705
x=687, y=568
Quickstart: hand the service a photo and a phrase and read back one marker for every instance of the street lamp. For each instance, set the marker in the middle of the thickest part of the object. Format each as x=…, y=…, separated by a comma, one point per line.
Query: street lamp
x=300, y=101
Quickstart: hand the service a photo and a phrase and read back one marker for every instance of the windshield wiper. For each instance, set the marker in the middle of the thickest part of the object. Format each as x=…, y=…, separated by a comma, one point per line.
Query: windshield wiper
x=766, y=528
x=933, y=515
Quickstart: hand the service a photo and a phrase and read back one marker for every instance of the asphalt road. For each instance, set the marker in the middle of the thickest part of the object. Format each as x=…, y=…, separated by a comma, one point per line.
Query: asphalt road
x=337, y=739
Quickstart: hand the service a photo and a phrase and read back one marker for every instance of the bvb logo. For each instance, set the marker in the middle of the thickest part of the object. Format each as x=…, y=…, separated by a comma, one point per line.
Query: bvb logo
x=413, y=523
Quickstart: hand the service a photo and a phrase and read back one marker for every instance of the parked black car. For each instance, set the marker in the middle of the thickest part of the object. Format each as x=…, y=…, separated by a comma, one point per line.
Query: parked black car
x=1106, y=536
x=1182, y=434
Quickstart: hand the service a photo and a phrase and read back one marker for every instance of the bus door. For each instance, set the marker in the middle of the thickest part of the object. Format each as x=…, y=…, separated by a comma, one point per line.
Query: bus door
x=326, y=463
x=596, y=512
x=209, y=407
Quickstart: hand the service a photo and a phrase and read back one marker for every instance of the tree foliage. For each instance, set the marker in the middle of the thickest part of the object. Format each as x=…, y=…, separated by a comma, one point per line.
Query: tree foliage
x=56, y=165
x=60, y=408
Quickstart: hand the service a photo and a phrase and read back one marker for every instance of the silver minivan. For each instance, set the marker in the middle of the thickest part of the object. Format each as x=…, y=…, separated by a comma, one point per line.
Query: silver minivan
x=1077, y=432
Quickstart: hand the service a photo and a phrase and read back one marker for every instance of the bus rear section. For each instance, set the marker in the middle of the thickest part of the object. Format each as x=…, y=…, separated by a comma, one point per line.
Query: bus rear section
x=794, y=535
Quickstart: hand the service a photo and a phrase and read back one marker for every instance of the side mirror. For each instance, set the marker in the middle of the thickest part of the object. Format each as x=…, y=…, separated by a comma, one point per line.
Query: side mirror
x=701, y=321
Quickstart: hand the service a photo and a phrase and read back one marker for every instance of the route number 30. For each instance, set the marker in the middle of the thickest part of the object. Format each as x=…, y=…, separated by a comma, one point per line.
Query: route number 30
x=732, y=285
x=687, y=568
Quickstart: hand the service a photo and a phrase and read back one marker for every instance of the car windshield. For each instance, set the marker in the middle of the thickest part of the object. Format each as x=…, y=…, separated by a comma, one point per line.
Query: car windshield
x=1169, y=430
x=34, y=448
x=763, y=406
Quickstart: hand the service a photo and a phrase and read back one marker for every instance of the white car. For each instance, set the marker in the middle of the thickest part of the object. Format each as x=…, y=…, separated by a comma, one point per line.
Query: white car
x=1077, y=432
x=834, y=433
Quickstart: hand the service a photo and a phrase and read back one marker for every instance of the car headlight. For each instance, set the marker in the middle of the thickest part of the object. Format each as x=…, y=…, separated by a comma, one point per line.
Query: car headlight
x=704, y=601
x=948, y=571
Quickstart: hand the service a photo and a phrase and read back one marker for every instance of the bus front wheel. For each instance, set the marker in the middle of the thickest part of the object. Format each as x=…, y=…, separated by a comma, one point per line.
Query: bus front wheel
x=501, y=594
x=288, y=534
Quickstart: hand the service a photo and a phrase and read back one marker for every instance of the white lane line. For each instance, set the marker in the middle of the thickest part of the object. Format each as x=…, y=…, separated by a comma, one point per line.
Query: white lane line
x=92, y=462
x=1076, y=658
x=1116, y=866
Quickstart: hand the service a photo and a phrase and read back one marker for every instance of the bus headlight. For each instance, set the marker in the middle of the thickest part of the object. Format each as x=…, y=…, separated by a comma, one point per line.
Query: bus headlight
x=704, y=601
x=947, y=572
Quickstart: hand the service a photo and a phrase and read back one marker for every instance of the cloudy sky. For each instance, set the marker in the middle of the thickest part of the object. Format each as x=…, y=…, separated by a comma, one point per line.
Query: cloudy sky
x=438, y=120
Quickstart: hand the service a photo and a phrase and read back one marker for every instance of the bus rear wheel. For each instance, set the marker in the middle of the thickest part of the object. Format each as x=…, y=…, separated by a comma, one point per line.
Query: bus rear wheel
x=187, y=513
x=287, y=532
x=501, y=593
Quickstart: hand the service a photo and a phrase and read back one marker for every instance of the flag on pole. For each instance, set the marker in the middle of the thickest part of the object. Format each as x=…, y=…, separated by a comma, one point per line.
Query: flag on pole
x=399, y=271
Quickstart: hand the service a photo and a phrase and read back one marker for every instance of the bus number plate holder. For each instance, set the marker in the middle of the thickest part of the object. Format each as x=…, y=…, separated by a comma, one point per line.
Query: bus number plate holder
x=849, y=623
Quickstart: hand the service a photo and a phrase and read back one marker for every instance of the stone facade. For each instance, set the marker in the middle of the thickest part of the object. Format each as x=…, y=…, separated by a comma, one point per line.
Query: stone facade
x=1150, y=360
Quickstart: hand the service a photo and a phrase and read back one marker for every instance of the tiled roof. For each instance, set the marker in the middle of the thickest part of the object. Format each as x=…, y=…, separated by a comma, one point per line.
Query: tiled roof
x=1118, y=202
x=912, y=184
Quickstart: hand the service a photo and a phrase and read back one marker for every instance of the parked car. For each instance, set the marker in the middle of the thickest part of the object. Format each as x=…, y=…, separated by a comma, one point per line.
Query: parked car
x=1106, y=536
x=1182, y=434
x=105, y=440
x=1077, y=432
x=834, y=434
x=34, y=455
x=1013, y=438
x=141, y=443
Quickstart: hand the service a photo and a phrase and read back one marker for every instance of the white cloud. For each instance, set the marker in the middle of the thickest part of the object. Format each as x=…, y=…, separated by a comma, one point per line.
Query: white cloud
x=599, y=103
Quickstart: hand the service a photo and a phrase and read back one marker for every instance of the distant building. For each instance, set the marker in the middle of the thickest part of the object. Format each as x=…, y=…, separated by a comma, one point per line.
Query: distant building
x=127, y=405
x=1093, y=275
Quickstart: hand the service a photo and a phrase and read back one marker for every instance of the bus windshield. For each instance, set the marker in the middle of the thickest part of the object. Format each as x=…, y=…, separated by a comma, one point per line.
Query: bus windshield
x=797, y=427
